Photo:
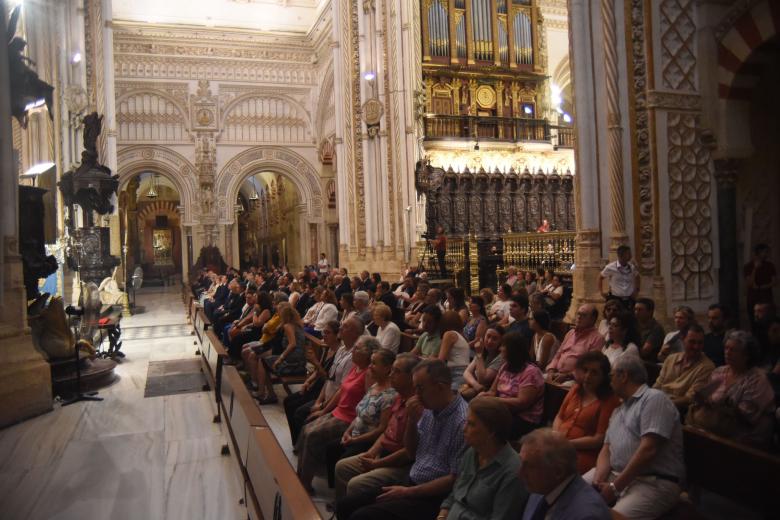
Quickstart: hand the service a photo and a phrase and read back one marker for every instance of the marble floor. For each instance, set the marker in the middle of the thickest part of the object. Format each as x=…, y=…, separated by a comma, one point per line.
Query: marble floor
x=127, y=457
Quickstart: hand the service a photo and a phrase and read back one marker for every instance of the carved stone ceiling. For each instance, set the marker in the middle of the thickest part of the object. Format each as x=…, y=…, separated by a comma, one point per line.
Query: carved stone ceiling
x=290, y=16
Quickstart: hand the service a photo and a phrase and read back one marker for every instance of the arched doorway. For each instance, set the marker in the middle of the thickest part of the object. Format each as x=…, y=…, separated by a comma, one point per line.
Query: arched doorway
x=749, y=173
x=150, y=227
x=269, y=221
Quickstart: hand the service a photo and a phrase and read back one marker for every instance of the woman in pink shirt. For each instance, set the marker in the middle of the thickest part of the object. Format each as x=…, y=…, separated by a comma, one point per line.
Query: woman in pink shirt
x=519, y=385
x=330, y=423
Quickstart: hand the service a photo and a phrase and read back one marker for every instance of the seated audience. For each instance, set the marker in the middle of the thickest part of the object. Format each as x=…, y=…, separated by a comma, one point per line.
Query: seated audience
x=242, y=324
x=292, y=360
x=475, y=327
x=325, y=312
x=717, y=319
x=513, y=280
x=349, y=333
x=622, y=336
x=685, y=373
x=683, y=318
x=519, y=384
x=456, y=301
x=253, y=330
x=312, y=387
x=306, y=299
x=295, y=294
x=330, y=422
x=530, y=283
x=454, y=349
x=651, y=333
x=387, y=332
x=347, y=303
x=429, y=342
x=738, y=401
x=372, y=412
x=416, y=305
x=482, y=370
x=217, y=298
x=584, y=415
x=544, y=344
x=361, y=301
x=558, y=492
x=231, y=309
x=611, y=308
x=360, y=478
x=500, y=309
x=487, y=485
x=436, y=417
x=536, y=303
x=385, y=295
x=488, y=297
x=640, y=467
x=554, y=292
x=582, y=338
x=518, y=316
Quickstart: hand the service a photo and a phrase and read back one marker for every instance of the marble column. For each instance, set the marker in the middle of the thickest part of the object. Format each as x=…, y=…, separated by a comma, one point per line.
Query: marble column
x=618, y=235
x=588, y=252
x=725, y=180
x=26, y=378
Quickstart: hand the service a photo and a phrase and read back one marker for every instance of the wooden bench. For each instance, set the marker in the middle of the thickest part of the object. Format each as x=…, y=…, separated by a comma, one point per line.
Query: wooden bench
x=275, y=490
x=738, y=472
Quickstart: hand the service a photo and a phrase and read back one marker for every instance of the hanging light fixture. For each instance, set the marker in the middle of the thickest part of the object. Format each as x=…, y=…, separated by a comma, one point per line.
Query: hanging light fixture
x=254, y=195
x=152, y=193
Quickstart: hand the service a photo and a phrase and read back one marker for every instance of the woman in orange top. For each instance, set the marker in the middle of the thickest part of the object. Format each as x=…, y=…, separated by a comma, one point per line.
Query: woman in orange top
x=584, y=415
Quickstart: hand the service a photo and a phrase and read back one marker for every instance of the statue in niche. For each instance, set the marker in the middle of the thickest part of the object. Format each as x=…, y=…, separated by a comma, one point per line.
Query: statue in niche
x=207, y=200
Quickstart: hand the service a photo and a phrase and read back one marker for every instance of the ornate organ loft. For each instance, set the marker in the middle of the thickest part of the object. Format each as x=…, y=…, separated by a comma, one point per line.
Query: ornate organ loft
x=499, y=157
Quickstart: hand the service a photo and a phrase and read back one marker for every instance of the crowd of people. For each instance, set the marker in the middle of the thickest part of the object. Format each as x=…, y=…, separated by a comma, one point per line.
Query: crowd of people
x=433, y=433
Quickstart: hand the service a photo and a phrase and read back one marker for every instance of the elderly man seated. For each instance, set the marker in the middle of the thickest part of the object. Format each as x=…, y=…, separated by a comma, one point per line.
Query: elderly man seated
x=685, y=373
x=434, y=440
x=583, y=338
x=549, y=470
x=641, y=465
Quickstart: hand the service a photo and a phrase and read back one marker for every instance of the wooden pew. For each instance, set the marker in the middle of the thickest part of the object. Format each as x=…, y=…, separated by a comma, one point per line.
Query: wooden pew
x=277, y=491
x=239, y=410
x=738, y=472
x=213, y=356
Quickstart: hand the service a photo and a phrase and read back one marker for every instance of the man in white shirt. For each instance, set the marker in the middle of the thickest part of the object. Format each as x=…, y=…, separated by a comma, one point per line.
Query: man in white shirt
x=623, y=279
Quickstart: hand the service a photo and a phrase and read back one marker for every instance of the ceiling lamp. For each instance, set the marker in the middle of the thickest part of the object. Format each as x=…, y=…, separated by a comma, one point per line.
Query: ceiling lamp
x=152, y=193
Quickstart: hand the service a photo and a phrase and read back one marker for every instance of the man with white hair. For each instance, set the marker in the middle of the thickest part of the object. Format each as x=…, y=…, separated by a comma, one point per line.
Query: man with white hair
x=549, y=470
x=361, y=300
x=640, y=466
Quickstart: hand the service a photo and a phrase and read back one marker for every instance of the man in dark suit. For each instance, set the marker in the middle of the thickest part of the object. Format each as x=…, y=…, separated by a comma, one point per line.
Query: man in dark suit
x=342, y=285
x=219, y=298
x=231, y=310
x=549, y=470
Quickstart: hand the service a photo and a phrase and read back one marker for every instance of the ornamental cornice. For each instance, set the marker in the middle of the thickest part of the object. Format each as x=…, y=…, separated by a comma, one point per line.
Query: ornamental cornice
x=673, y=100
x=178, y=34
x=163, y=67
x=227, y=51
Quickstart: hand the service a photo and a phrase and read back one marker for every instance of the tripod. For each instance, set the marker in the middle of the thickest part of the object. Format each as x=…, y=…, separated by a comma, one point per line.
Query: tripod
x=426, y=256
x=88, y=396
x=80, y=396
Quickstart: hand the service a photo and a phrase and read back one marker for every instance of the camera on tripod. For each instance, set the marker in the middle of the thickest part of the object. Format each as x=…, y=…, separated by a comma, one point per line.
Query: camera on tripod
x=428, y=236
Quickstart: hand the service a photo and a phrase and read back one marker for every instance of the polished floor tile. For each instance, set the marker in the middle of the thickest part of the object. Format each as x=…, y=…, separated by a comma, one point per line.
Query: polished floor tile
x=126, y=457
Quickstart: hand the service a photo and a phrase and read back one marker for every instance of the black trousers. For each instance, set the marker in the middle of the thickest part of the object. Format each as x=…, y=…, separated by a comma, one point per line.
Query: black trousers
x=237, y=343
x=441, y=256
x=401, y=509
x=297, y=407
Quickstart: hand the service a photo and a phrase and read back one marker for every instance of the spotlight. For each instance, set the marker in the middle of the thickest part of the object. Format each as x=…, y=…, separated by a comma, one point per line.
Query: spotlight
x=566, y=117
x=34, y=104
x=369, y=76
x=76, y=58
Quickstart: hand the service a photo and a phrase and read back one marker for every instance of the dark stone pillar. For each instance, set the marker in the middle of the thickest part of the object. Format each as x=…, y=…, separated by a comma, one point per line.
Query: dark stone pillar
x=730, y=273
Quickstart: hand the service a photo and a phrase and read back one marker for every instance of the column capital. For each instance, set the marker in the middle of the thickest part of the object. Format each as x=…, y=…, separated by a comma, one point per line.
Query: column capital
x=726, y=170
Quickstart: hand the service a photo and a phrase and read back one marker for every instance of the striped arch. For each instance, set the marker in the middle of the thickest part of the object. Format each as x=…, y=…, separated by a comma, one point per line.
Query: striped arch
x=167, y=207
x=749, y=32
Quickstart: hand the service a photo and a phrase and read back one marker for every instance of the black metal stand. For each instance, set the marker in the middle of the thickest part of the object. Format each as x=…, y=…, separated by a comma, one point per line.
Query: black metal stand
x=89, y=396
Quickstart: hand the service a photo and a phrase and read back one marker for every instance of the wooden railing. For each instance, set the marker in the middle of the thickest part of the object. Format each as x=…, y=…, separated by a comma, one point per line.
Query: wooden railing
x=565, y=136
x=487, y=128
x=531, y=251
